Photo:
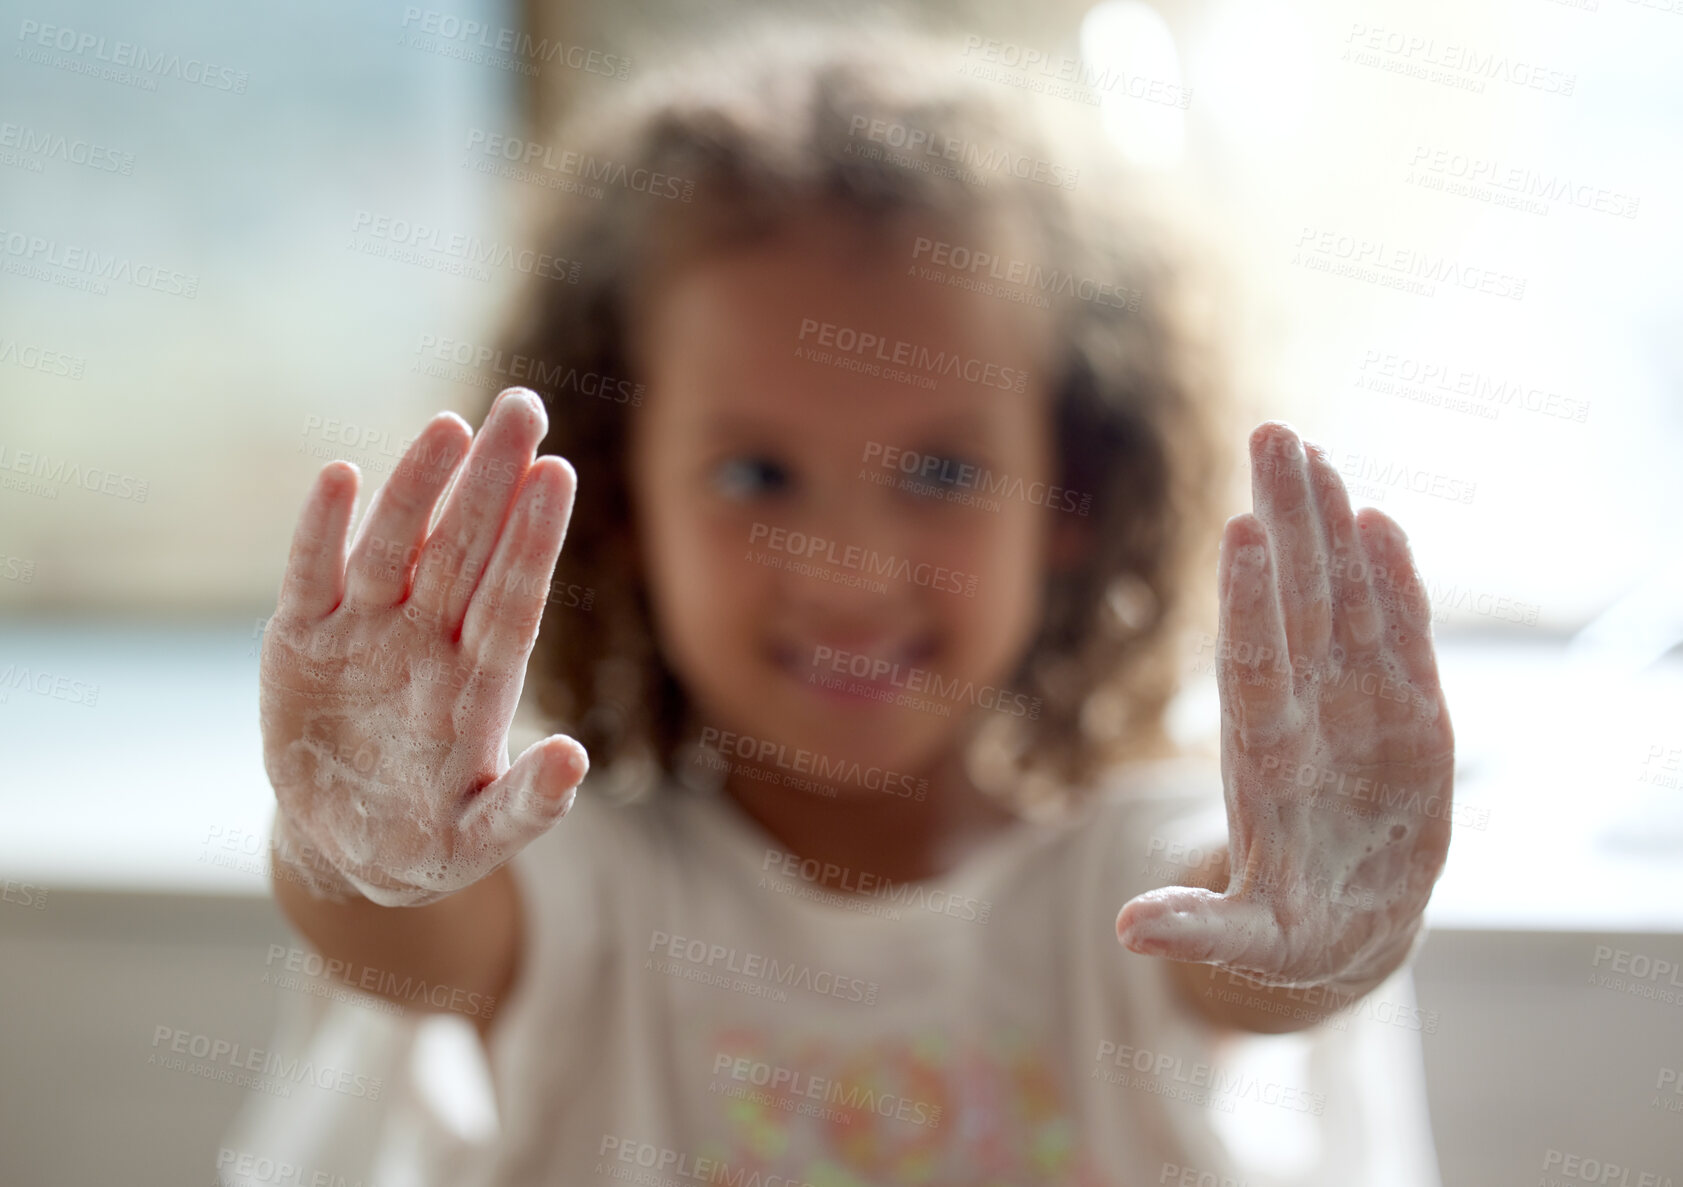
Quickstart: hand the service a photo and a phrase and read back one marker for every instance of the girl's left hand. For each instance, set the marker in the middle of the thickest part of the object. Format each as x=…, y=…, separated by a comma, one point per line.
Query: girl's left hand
x=1336, y=753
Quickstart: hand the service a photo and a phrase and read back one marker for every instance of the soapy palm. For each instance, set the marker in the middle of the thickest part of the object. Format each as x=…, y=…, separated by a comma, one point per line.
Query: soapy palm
x=1337, y=751
x=390, y=676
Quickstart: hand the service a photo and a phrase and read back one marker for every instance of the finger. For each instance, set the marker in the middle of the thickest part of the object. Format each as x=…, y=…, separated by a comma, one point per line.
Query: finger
x=531, y=796
x=502, y=620
x=1280, y=493
x=1356, y=617
x=1254, y=670
x=1401, y=596
x=1185, y=923
x=314, y=581
x=389, y=541
x=454, y=556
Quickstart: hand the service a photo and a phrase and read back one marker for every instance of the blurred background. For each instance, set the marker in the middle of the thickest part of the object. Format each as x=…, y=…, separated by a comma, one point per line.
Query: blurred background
x=1451, y=230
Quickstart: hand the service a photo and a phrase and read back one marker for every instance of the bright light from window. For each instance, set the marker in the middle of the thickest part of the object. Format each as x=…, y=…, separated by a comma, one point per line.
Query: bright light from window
x=1132, y=52
x=1255, y=71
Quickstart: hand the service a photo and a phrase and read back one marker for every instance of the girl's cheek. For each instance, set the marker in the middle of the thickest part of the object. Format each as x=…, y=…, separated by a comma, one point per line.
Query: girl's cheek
x=989, y=543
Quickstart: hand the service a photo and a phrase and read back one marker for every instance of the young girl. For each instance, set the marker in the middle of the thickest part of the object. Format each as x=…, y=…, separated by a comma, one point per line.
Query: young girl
x=885, y=457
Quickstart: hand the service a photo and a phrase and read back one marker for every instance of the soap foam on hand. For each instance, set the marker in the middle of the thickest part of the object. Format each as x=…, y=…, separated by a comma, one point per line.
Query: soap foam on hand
x=1337, y=751
x=390, y=677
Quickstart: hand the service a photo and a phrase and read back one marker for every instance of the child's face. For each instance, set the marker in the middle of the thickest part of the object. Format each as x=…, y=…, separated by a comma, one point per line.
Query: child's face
x=750, y=457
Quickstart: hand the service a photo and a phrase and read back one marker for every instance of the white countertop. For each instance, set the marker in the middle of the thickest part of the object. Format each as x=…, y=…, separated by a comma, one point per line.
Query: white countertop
x=159, y=786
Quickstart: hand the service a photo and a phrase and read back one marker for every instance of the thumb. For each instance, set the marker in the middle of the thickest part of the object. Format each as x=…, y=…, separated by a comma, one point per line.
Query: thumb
x=529, y=797
x=1185, y=923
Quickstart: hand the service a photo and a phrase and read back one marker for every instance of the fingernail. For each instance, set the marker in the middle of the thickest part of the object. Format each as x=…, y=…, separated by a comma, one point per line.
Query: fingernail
x=578, y=759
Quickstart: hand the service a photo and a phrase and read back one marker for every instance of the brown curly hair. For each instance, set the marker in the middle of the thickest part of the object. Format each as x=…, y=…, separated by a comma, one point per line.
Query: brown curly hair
x=748, y=138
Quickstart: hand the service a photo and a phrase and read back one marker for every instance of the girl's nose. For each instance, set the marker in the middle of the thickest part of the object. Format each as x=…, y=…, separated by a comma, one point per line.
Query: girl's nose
x=860, y=546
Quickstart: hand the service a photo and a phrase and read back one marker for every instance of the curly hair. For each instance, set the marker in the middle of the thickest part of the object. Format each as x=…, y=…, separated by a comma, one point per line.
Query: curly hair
x=733, y=144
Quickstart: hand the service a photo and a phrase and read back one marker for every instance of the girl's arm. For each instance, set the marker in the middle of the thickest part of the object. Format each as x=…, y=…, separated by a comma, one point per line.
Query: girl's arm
x=1337, y=759
x=389, y=679
x=464, y=950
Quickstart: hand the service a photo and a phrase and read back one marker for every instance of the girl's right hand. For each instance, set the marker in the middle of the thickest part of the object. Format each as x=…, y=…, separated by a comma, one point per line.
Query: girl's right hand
x=389, y=682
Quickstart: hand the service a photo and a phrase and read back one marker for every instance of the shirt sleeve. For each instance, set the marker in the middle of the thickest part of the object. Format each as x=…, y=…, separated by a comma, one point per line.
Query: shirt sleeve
x=564, y=934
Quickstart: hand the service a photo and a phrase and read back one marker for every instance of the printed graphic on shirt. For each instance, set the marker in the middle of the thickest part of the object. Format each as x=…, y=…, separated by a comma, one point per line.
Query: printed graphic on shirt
x=984, y=1110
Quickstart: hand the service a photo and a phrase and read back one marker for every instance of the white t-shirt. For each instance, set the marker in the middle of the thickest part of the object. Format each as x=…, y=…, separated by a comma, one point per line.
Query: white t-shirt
x=693, y=1011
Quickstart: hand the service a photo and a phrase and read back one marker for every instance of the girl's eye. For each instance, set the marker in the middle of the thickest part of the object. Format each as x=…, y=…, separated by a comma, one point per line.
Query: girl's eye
x=750, y=477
